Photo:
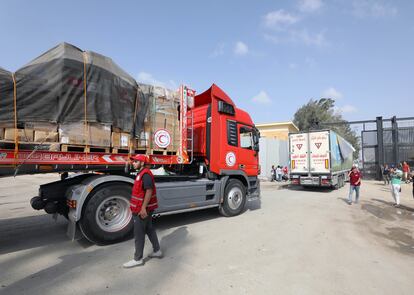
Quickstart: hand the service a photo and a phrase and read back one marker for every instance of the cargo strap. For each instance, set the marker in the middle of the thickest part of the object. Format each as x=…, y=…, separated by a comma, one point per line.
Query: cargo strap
x=16, y=137
x=132, y=136
x=86, y=131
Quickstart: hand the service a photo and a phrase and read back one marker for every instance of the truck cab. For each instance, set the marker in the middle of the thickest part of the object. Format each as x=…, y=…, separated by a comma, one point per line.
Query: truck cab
x=224, y=135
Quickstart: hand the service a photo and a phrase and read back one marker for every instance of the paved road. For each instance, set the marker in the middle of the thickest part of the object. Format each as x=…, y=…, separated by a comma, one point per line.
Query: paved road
x=292, y=242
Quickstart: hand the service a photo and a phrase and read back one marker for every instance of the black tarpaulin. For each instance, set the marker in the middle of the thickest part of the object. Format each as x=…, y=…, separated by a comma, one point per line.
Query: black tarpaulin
x=6, y=96
x=51, y=88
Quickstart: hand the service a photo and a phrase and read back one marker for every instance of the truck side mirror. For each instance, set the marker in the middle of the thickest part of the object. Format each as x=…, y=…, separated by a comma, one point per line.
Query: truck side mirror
x=256, y=136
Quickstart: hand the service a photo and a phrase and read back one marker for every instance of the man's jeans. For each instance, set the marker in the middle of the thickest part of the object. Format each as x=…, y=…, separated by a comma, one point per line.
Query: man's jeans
x=278, y=177
x=351, y=190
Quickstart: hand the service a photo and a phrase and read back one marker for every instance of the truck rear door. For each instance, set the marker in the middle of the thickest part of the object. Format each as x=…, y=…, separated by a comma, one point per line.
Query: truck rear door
x=319, y=152
x=299, y=153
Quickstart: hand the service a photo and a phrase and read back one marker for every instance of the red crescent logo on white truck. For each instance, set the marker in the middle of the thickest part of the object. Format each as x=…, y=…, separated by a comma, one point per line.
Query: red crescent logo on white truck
x=162, y=138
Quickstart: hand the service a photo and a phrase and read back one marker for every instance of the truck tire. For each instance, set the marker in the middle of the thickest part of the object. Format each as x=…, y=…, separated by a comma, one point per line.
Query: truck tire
x=106, y=217
x=234, y=198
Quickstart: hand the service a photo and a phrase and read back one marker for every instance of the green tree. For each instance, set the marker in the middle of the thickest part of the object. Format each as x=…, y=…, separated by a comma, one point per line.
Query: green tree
x=312, y=115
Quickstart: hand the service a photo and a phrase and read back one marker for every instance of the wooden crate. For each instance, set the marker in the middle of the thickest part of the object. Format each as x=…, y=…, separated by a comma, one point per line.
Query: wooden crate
x=29, y=146
x=23, y=134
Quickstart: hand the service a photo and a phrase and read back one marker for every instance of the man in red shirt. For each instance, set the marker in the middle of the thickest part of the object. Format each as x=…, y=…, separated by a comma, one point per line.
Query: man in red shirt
x=355, y=183
x=406, y=171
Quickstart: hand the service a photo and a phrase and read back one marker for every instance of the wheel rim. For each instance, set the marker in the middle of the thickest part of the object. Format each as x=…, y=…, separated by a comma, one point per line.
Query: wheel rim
x=113, y=214
x=235, y=198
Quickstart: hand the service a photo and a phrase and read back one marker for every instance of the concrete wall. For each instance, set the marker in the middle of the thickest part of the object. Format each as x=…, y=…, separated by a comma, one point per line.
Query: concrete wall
x=272, y=152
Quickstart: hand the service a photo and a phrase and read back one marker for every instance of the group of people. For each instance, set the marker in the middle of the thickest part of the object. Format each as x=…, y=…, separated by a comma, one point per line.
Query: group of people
x=279, y=173
x=404, y=168
x=393, y=175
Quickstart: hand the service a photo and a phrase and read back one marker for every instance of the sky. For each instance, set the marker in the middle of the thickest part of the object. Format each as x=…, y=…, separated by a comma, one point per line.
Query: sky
x=270, y=57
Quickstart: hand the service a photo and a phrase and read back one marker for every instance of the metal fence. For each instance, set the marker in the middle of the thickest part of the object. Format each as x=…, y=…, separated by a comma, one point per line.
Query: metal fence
x=384, y=141
x=389, y=141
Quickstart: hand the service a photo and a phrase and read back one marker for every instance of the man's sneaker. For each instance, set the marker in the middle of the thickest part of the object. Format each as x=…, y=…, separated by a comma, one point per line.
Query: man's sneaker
x=349, y=202
x=157, y=254
x=133, y=263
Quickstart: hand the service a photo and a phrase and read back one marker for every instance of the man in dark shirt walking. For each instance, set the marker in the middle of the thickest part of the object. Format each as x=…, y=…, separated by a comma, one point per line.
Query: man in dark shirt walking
x=143, y=202
x=355, y=183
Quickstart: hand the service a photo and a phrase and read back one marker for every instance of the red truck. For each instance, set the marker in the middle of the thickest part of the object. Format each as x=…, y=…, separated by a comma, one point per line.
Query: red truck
x=217, y=166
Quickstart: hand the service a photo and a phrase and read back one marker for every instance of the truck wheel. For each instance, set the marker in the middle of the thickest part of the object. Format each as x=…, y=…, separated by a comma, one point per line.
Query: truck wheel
x=234, y=198
x=106, y=217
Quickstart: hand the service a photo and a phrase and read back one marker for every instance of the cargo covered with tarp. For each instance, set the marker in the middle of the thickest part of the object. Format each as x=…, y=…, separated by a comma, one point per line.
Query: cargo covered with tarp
x=6, y=96
x=67, y=85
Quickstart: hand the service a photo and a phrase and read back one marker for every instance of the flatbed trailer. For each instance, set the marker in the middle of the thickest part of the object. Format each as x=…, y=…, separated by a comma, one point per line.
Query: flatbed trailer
x=216, y=166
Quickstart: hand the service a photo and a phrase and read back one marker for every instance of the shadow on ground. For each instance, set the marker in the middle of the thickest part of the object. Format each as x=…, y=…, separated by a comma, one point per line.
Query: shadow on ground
x=39, y=282
x=398, y=238
x=24, y=233
x=401, y=239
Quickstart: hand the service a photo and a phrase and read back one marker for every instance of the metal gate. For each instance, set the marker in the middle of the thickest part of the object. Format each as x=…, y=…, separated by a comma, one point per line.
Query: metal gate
x=391, y=142
x=384, y=141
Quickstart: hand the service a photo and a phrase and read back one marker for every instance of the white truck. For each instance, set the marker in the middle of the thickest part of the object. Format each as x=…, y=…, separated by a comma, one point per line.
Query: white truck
x=319, y=158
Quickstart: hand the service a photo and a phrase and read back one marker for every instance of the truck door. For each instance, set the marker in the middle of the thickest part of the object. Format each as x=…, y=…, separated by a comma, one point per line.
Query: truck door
x=299, y=153
x=319, y=149
x=247, y=150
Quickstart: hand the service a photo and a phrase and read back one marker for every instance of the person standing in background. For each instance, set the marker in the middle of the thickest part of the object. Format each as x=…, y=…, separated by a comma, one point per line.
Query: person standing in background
x=273, y=173
x=285, y=173
x=279, y=173
x=406, y=172
x=355, y=183
x=396, y=176
x=386, y=174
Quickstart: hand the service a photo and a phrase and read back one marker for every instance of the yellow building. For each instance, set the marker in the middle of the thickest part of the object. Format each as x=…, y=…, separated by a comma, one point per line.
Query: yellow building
x=277, y=130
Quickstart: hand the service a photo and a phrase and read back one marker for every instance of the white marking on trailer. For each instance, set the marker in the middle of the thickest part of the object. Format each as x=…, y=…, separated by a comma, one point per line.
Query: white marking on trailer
x=107, y=158
x=120, y=159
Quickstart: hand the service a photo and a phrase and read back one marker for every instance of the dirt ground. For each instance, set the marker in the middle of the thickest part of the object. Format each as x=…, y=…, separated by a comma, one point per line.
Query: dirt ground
x=292, y=241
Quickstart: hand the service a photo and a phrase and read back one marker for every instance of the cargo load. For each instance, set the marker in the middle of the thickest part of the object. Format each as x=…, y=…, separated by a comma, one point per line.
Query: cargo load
x=85, y=99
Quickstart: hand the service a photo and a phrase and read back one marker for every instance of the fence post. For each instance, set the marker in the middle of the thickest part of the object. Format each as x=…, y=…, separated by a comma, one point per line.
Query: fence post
x=395, y=139
x=380, y=147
